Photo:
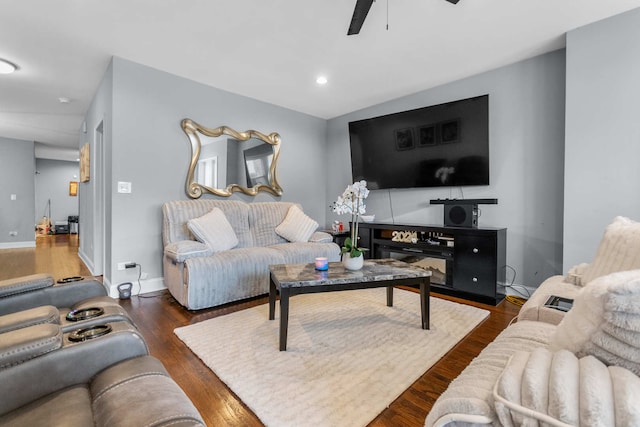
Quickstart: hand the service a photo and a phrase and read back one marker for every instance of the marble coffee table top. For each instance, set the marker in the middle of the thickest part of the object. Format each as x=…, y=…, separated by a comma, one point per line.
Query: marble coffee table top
x=374, y=270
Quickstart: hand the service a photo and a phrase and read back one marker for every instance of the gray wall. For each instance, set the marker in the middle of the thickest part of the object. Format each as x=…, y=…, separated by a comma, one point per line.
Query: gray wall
x=149, y=149
x=95, y=210
x=52, y=183
x=17, y=176
x=526, y=132
x=602, y=177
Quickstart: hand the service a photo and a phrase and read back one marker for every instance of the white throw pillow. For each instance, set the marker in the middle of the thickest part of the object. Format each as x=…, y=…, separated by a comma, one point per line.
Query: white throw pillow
x=619, y=249
x=214, y=230
x=296, y=226
x=604, y=321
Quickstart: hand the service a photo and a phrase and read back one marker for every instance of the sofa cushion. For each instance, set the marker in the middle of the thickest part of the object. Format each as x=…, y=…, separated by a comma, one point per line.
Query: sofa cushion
x=229, y=276
x=214, y=230
x=618, y=250
x=605, y=321
x=296, y=226
x=264, y=217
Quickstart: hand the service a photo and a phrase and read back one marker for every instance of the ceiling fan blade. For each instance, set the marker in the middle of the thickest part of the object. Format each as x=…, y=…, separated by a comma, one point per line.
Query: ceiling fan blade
x=359, y=15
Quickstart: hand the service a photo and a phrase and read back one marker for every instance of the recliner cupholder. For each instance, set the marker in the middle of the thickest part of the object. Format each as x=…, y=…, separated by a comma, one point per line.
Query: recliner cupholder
x=84, y=314
x=89, y=333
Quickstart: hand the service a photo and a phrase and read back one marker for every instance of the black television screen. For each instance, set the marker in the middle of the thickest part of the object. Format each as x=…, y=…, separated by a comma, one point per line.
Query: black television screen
x=437, y=146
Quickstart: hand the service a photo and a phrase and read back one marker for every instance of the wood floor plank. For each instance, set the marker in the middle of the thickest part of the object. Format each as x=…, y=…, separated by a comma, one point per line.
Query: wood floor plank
x=158, y=314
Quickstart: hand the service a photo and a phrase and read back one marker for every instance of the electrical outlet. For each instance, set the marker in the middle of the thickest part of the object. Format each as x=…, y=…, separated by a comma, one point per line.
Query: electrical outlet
x=123, y=265
x=130, y=265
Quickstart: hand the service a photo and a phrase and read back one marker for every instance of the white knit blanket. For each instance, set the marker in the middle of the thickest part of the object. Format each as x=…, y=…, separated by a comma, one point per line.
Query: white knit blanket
x=605, y=321
x=558, y=389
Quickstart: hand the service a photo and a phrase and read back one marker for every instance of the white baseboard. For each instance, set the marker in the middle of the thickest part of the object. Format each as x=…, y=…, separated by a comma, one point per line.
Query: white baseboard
x=17, y=245
x=87, y=262
x=145, y=286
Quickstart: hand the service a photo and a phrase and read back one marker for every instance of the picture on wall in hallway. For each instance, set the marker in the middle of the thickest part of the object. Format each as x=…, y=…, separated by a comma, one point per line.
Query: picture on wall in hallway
x=84, y=163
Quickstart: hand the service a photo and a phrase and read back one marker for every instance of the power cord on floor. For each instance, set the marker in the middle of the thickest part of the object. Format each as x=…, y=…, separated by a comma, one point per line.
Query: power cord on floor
x=514, y=299
x=140, y=285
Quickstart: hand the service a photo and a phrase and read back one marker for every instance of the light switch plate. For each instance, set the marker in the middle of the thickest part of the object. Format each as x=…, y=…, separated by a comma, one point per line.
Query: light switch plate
x=124, y=187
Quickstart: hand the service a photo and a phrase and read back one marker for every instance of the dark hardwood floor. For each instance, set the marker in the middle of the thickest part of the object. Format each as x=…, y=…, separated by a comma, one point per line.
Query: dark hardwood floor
x=158, y=314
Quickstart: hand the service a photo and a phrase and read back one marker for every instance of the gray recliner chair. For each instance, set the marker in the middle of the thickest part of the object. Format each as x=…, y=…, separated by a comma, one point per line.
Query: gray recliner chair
x=95, y=376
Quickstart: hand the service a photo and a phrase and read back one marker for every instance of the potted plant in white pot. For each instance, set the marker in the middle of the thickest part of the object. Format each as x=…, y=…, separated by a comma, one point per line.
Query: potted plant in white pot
x=352, y=202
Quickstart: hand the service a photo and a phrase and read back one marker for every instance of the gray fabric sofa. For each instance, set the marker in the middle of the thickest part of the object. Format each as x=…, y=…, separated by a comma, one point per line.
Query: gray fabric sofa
x=199, y=277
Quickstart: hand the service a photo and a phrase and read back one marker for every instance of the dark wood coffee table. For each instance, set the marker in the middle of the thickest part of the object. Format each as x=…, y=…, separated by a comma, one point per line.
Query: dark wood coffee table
x=294, y=279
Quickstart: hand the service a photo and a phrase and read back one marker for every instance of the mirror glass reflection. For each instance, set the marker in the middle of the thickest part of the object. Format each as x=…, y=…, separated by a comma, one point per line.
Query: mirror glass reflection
x=225, y=161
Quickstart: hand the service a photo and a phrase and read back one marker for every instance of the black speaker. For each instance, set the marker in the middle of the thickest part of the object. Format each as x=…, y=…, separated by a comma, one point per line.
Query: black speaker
x=461, y=215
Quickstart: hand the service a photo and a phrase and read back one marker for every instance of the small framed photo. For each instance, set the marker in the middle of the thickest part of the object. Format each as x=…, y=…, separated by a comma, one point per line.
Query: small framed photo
x=427, y=135
x=85, y=163
x=73, y=188
x=450, y=131
x=404, y=139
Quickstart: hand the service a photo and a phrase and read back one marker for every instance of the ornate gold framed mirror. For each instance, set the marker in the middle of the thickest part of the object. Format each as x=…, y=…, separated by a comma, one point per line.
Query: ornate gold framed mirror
x=224, y=161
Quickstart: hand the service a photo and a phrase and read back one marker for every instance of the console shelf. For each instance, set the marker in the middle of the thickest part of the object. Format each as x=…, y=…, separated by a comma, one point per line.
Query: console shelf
x=471, y=261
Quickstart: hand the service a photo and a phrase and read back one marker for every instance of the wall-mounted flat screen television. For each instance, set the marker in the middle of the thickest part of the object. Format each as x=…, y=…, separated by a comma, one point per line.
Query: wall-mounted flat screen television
x=437, y=146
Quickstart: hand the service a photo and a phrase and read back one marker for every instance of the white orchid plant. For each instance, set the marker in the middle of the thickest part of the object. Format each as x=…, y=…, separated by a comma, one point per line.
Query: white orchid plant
x=352, y=202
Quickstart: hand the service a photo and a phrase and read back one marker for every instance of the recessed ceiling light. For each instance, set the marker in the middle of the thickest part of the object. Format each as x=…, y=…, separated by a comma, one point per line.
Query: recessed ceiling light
x=321, y=80
x=6, y=67
x=64, y=100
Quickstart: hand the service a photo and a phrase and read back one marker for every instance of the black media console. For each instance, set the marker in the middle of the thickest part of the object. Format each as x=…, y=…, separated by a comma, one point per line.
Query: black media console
x=469, y=263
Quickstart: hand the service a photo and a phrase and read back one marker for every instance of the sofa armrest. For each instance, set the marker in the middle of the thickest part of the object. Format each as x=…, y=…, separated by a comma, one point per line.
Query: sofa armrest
x=184, y=249
x=30, y=317
x=575, y=273
x=117, y=397
x=57, y=295
x=321, y=237
x=560, y=389
x=23, y=344
x=23, y=284
x=70, y=364
x=535, y=307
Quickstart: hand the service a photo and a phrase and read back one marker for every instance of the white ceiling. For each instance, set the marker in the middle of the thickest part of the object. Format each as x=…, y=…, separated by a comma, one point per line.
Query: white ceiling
x=268, y=50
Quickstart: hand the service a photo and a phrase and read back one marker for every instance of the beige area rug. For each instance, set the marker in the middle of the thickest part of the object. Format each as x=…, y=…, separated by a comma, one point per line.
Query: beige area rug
x=348, y=354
